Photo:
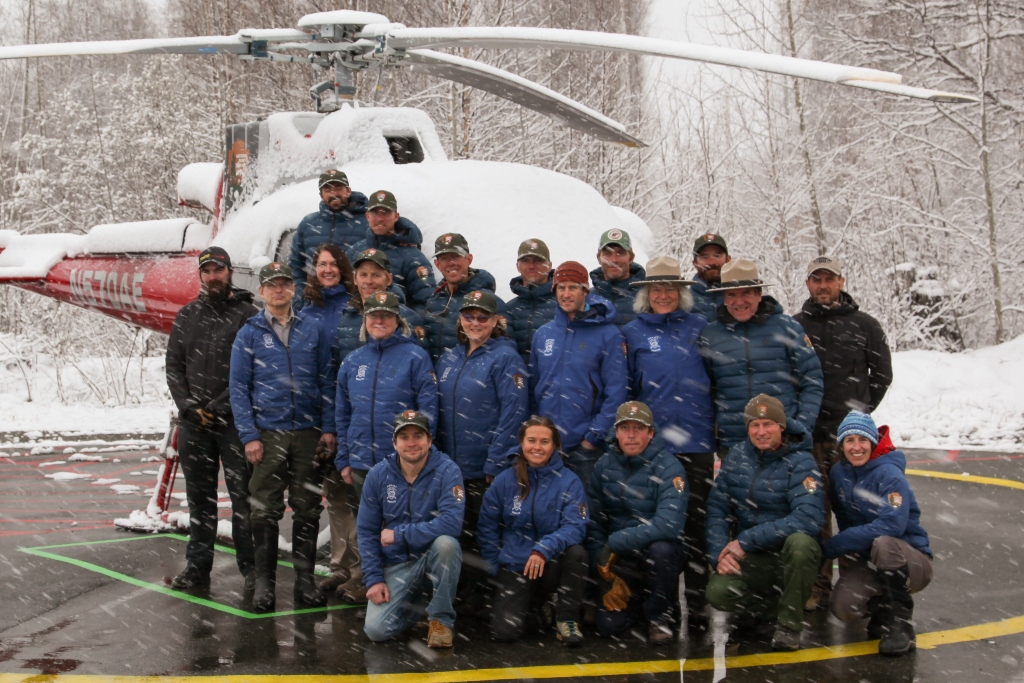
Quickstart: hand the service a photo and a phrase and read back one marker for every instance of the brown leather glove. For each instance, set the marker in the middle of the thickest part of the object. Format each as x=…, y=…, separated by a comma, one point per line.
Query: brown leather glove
x=617, y=597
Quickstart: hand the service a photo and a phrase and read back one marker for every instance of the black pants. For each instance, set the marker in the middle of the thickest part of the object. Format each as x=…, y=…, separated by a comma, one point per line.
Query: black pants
x=653, y=578
x=700, y=476
x=475, y=489
x=202, y=452
x=565, y=576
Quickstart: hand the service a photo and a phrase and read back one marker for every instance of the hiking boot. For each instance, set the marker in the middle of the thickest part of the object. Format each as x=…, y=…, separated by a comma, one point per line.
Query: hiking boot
x=353, y=592
x=438, y=635
x=898, y=636
x=786, y=639
x=569, y=633
x=333, y=582
x=659, y=633
x=191, y=577
x=818, y=600
x=265, y=538
x=306, y=592
x=249, y=582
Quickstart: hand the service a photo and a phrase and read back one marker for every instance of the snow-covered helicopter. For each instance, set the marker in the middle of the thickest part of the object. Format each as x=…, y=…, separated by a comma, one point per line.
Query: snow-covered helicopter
x=144, y=272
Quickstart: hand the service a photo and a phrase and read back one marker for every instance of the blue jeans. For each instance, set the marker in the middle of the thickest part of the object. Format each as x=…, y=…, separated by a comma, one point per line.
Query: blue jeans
x=407, y=584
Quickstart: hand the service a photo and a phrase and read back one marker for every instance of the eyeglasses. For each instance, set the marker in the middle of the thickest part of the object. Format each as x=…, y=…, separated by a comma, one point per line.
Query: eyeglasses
x=481, y=318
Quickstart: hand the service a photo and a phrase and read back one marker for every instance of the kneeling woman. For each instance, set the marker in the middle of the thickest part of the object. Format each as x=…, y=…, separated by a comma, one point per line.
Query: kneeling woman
x=532, y=524
x=883, y=550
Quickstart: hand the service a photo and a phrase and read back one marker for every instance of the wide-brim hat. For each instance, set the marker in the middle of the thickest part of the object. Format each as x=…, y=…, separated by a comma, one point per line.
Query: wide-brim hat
x=739, y=274
x=663, y=270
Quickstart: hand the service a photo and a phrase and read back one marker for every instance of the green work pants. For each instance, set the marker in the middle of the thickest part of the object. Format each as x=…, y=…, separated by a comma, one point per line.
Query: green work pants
x=287, y=465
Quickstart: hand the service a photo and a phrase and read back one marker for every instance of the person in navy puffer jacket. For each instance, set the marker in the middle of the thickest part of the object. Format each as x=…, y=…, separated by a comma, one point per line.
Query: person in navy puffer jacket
x=754, y=349
x=401, y=239
x=386, y=376
x=452, y=258
x=578, y=369
x=532, y=526
x=534, y=303
x=410, y=514
x=710, y=254
x=638, y=496
x=667, y=373
x=882, y=548
x=341, y=220
x=616, y=274
x=765, y=514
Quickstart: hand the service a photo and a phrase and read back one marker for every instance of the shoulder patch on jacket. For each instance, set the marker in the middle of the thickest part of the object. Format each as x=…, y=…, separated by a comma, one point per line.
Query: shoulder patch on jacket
x=433, y=376
x=811, y=484
x=895, y=499
x=422, y=272
x=679, y=483
x=807, y=340
x=625, y=351
x=458, y=493
x=583, y=511
x=519, y=380
x=419, y=332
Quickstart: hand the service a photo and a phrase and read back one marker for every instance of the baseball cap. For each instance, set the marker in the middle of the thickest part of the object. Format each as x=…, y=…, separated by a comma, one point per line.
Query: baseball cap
x=381, y=301
x=481, y=299
x=275, y=271
x=332, y=175
x=214, y=255
x=615, y=237
x=451, y=243
x=412, y=417
x=707, y=239
x=382, y=199
x=376, y=255
x=534, y=248
x=634, y=411
x=832, y=265
x=764, y=407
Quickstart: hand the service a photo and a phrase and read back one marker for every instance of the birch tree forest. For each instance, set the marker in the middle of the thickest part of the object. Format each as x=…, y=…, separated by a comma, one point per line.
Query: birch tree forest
x=922, y=201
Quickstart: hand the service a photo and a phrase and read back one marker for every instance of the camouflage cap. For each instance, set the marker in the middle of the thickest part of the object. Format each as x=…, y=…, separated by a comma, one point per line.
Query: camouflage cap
x=376, y=256
x=214, y=255
x=381, y=301
x=330, y=176
x=634, y=411
x=482, y=299
x=382, y=199
x=275, y=271
x=534, y=248
x=451, y=243
x=832, y=265
x=413, y=418
x=764, y=407
x=709, y=239
x=615, y=237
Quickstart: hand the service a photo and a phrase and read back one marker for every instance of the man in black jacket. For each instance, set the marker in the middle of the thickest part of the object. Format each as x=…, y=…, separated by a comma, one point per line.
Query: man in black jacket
x=198, y=361
x=857, y=365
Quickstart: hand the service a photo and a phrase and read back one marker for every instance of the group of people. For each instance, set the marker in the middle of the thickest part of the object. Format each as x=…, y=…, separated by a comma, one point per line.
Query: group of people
x=567, y=437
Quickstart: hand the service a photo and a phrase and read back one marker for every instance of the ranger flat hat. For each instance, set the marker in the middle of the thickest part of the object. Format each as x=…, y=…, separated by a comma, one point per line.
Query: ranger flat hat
x=412, y=417
x=832, y=265
x=214, y=255
x=382, y=199
x=615, y=237
x=707, y=239
x=739, y=274
x=663, y=270
x=451, y=243
x=381, y=301
x=634, y=411
x=534, y=248
x=275, y=271
x=482, y=299
x=332, y=175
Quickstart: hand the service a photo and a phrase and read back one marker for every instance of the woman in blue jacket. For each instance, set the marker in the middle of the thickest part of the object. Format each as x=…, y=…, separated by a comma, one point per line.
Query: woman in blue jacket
x=482, y=387
x=667, y=373
x=532, y=525
x=882, y=548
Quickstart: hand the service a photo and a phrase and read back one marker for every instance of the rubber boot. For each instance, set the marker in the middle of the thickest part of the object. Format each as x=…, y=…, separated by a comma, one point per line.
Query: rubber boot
x=307, y=593
x=880, y=617
x=899, y=638
x=264, y=536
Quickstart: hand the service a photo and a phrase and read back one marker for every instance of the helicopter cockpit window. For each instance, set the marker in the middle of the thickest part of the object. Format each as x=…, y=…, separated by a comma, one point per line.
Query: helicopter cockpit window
x=405, y=149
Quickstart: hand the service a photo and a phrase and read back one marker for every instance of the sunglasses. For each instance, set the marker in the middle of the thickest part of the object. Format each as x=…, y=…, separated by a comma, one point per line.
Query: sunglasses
x=480, y=318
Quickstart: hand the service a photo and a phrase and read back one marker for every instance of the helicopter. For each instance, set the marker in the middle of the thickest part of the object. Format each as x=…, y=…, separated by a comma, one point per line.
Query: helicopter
x=143, y=272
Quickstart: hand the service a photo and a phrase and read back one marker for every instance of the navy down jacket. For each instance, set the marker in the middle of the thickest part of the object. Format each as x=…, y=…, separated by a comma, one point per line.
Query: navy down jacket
x=376, y=382
x=874, y=500
x=619, y=292
x=667, y=373
x=760, y=498
x=704, y=304
x=280, y=387
x=344, y=228
x=350, y=322
x=532, y=307
x=636, y=500
x=442, y=310
x=328, y=315
x=768, y=354
x=484, y=399
x=551, y=518
x=420, y=512
x=578, y=373
x=410, y=268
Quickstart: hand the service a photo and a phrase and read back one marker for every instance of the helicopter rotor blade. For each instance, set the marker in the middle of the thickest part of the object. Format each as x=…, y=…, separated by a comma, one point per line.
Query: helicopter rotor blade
x=521, y=91
x=553, y=38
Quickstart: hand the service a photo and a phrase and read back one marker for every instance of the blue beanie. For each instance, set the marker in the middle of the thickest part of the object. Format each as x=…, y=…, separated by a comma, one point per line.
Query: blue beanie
x=858, y=423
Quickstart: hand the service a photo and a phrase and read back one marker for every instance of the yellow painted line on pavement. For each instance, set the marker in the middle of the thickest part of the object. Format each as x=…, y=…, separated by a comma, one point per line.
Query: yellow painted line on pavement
x=991, y=481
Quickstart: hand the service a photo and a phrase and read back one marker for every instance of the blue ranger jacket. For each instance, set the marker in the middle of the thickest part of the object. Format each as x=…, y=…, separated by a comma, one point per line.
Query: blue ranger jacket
x=410, y=268
x=619, y=292
x=376, y=382
x=667, y=373
x=551, y=518
x=578, y=373
x=768, y=354
x=704, y=304
x=636, y=500
x=442, y=310
x=484, y=399
x=762, y=497
x=531, y=308
x=280, y=387
x=418, y=513
x=344, y=228
x=328, y=315
x=350, y=322
x=874, y=500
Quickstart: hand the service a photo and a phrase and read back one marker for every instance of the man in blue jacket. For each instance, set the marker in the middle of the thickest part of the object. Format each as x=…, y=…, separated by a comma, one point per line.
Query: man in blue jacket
x=638, y=497
x=341, y=220
x=578, y=369
x=400, y=239
x=453, y=261
x=710, y=254
x=764, y=518
x=534, y=303
x=616, y=272
x=752, y=348
x=282, y=401
x=410, y=517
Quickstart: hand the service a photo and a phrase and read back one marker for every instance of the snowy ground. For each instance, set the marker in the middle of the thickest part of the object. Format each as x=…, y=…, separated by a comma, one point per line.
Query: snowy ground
x=969, y=400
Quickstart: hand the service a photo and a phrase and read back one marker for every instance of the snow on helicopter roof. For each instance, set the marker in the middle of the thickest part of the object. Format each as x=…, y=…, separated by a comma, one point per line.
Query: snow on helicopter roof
x=30, y=257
